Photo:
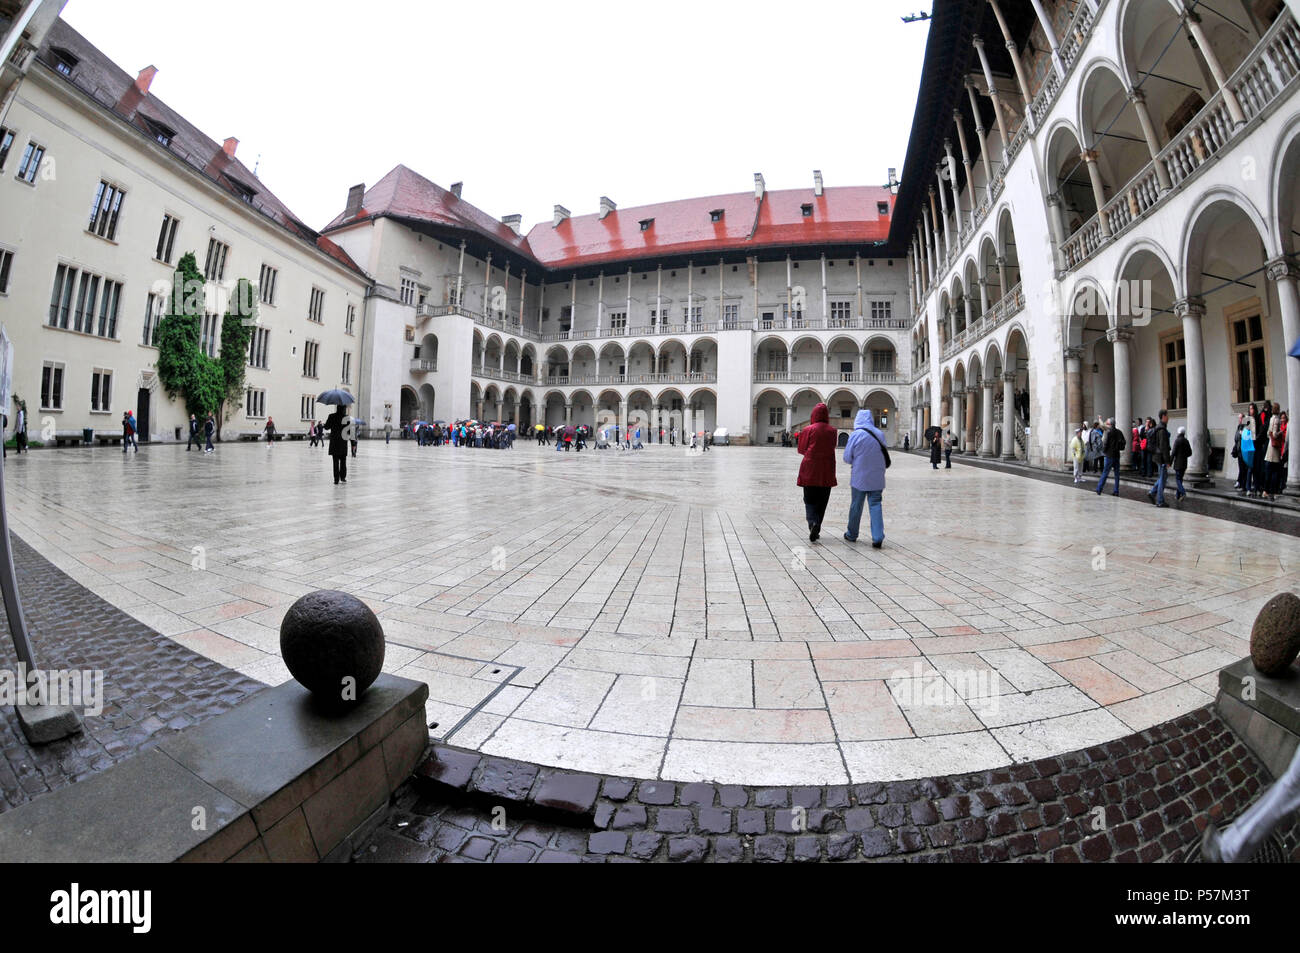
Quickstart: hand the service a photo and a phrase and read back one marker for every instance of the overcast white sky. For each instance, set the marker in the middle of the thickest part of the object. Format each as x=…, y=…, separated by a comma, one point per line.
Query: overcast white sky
x=533, y=103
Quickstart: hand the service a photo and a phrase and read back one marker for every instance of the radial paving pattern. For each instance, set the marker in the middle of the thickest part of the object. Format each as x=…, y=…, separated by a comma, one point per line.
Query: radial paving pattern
x=657, y=614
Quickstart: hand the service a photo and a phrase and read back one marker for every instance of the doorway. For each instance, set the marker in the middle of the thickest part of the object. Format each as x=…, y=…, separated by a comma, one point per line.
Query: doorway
x=142, y=414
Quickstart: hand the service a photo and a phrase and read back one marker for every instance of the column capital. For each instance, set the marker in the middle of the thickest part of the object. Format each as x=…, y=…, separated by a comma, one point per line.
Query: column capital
x=1136, y=95
x=1114, y=335
x=988, y=383
x=977, y=42
x=947, y=141
x=1012, y=48
x=1190, y=307
x=931, y=192
x=1088, y=155
x=1000, y=261
x=959, y=392
x=1281, y=268
x=1073, y=353
x=1009, y=377
x=1054, y=199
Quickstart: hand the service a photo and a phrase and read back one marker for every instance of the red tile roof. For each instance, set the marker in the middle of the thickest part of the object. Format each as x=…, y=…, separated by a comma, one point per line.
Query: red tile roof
x=840, y=216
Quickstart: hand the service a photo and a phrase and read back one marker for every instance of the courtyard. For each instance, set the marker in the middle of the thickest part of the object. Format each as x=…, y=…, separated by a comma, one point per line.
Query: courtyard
x=659, y=614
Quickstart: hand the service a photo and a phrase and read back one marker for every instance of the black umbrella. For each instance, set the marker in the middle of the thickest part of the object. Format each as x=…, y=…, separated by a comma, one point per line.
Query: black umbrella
x=336, y=397
x=931, y=431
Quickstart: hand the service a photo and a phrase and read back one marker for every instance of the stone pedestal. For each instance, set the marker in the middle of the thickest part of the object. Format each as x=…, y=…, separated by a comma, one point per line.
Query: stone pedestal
x=1263, y=711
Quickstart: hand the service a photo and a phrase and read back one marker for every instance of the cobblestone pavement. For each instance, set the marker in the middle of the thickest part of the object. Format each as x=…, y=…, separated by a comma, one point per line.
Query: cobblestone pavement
x=152, y=686
x=1145, y=797
x=662, y=615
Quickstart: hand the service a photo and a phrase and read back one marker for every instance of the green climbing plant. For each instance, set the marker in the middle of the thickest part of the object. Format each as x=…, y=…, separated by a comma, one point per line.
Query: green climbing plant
x=207, y=385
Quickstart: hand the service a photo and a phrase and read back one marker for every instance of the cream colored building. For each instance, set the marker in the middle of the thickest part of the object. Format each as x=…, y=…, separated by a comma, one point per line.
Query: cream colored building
x=103, y=188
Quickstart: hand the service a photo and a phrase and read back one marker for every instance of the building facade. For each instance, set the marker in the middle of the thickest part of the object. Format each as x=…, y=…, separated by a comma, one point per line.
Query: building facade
x=103, y=188
x=738, y=312
x=1106, y=221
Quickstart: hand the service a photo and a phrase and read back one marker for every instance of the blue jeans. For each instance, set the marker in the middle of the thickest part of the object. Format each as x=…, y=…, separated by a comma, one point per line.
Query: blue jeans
x=1157, y=492
x=1178, y=476
x=873, y=500
x=1108, y=465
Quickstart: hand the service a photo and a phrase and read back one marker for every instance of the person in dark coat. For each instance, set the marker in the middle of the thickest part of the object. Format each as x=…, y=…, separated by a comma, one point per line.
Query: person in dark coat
x=1160, y=446
x=1182, y=452
x=936, y=449
x=1112, y=446
x=337, y=425
x=209, y=428
x=194, y=435
x=817, y=444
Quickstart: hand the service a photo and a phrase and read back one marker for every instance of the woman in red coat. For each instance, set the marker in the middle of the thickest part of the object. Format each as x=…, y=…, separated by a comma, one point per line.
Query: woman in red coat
x=817, y=471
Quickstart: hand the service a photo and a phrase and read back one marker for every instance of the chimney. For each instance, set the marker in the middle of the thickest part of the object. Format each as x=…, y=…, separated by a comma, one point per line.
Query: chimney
x=561, y=213
x=229, y=146
x=893, y=181
x=145, y=78
x=354, y=199
x=512, y=222
x=817, y=181
x=759, y=185
x=456, y=187
x=606, y=205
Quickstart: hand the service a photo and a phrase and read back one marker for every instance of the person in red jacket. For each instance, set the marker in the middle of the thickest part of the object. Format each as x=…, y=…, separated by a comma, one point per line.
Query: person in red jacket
x=817, y=471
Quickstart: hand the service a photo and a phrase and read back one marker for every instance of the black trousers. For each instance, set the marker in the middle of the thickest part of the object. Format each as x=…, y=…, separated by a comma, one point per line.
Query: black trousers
x=815, y=500
x=340, y=467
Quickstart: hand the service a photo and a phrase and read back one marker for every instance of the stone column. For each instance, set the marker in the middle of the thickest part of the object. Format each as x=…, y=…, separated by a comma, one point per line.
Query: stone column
x=1119, y=339
x=1073, y=388
x=568, y=412
x=981, y=132
x=1021, y=80
x=943, y=204
x=460, y=279
x=958, y=424
x=966, y=164
x=1050, y=32
x=600, y=309
x=1089, y=157
x=1285, y=273
x=825, y=306
x=1056, y=222
x=993, y=95
x=659, y=422
x=938, y=255
x=1139, y=101
x=927, y=249
x=952, y=183
x=965, y=300
x=1001, y=262
x=968, y=444
x=1192, y=20
x=1008, y=415
x=986, y=405
x=984, y=295
x=1192, y=310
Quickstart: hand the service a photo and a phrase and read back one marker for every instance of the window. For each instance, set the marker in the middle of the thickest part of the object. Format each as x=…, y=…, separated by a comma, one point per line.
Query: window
x=775, y=416
x=63, y=61
x=697, y=362
x=785, y=316
x=266, y=285
x=692, y=314
x=882, y=362
x=731, y=314
x=166, y=239
x=882, y=208
x=244, y=191
x=408, y=291
x=105, y=210
x=806, y=208
x=350, y=323
x=410, y=333
x=211, y=334
x=32, y=156
x=6, y=143
x=841, y=314
x=52, y=386
x=307, y=408
x=6, y=265
x=259, y=348
x=153, y=315
x=618, y=321
x=254, y=402
x=645, y=224
x=716, y=215
x=882, y=310
x=85, y=302
x=310, y=351
x=453, y=294
x=1173, y=356
x=101, y=391
x=346, y=376
x=162, y=133
x=1249, y=354
x=215, y=268
x=316, y=306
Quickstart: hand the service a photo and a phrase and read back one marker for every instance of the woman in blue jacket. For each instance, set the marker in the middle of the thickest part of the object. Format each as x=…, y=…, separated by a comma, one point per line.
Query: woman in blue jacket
x=865, y=453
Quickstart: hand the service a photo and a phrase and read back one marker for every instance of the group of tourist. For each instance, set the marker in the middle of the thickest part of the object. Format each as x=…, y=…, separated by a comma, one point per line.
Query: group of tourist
x=868, y=458
x=1260, y=449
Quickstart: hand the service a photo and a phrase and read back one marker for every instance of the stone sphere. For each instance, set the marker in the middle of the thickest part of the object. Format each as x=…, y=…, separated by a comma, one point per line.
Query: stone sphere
x=1275, y=637
x=333, y=645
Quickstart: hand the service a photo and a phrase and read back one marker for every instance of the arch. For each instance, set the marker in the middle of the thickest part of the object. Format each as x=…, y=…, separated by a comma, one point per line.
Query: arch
x=1086, y=299
x=1157, y=251
x=1103, y=104
x=806, y=338
x=1066, y=175
x=1284, y=188
x=1208, y=213
x=409, y=405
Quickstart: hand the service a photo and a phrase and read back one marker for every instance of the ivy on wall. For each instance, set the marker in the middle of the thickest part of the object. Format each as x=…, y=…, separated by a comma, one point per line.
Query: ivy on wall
x=208, y=385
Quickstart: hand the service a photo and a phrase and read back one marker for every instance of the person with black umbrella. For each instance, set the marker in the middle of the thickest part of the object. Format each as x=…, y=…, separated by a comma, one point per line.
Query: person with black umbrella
x=339, y=426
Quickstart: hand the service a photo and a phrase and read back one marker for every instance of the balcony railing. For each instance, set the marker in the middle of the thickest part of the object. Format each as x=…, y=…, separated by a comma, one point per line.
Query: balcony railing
x=698, y=377
x=1260, y=80
x=827, y=377
x=998, y=314
x=419, y=366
